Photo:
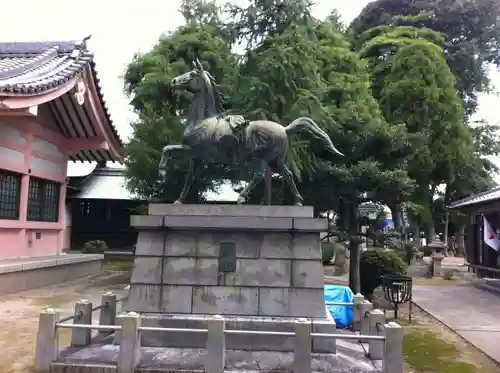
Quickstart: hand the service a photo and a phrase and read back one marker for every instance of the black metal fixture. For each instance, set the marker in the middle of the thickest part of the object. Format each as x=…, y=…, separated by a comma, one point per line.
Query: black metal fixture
x=397, y=291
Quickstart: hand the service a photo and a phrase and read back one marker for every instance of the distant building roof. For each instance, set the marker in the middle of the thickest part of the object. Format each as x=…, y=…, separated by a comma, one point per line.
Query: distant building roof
x=487, y=196
x=44, y=74
x=102, y=183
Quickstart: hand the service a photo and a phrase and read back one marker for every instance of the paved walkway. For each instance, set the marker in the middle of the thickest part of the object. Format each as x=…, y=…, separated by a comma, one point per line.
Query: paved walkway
x=472, y=313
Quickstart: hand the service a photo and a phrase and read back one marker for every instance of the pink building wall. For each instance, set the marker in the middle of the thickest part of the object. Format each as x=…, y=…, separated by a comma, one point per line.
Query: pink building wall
x=32, y=149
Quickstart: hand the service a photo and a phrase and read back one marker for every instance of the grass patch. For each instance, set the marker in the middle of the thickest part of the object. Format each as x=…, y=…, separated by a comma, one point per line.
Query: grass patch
x=64, y=337
x=427, y=352
x=119, y=265
x=434, y=281
x=329, y=281
x=115, y=281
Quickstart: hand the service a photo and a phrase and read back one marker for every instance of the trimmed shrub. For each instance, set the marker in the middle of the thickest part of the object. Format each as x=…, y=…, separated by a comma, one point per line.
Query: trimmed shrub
x=376, y=263
x=95, y=247
x=448, y=273
x=327, y=252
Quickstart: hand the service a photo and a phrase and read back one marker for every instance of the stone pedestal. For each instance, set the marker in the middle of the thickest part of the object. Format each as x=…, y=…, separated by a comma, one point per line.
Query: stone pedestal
x=436, y=259
x=259, y=266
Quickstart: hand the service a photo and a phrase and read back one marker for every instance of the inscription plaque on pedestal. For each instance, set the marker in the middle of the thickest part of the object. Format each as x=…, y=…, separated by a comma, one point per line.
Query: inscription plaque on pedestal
x=227, y=257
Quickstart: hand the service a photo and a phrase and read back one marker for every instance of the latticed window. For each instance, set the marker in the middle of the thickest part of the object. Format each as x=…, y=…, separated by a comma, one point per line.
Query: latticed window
x=10, y=192
x=43, y=200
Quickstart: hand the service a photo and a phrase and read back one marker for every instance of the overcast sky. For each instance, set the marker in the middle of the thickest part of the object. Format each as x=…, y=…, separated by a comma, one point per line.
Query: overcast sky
x=120, y=28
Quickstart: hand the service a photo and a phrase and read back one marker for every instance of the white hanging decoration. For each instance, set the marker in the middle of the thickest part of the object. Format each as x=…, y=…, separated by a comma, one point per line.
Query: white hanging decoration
x=81, y=89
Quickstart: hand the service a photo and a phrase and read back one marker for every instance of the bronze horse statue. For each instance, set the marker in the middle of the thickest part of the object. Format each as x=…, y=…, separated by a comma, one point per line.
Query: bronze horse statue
x=212, y=137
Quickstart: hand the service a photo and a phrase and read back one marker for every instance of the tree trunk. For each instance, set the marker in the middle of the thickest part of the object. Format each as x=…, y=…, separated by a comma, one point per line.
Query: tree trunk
x=397, y=216
x=346, y=216
x=430, y=232
x=460, y=241
x=445, y=234
x=354, y=248
x=416, y=236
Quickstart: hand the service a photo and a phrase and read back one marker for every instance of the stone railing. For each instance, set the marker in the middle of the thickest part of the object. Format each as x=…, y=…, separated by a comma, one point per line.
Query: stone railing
x=384, y=341
x=49, y=323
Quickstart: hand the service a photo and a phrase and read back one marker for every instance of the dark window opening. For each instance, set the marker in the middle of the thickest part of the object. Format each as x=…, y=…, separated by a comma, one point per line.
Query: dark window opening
x=43, y=200
x=10, y=193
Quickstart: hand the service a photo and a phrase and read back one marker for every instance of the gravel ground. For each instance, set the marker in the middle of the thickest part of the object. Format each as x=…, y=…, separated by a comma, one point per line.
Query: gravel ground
x=19, y=314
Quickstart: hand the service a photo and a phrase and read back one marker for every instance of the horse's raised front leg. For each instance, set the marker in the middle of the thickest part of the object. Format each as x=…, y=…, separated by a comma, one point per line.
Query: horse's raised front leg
x=258, y=176
x=194, y=166
x=288, y=176
x=166, y=153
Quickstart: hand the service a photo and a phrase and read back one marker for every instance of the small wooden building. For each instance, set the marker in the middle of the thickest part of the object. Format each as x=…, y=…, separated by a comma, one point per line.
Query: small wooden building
x=99, y=208
x=483, y=259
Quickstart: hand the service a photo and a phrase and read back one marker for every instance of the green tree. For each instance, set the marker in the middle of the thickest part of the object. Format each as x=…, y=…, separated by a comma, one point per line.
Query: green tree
x=470, y=28
x=147, y=80
x=414, y=85
x=259, y=19
x=150, y=132
x=474, y=176
x=299, y=66
x=293, y=65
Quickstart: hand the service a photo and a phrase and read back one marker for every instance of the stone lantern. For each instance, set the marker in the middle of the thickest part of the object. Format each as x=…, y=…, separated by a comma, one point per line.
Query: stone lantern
x=437, y=256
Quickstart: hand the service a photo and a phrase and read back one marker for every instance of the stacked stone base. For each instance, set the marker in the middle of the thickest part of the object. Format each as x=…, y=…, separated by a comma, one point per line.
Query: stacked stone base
x=272, y=275
x=236, y=341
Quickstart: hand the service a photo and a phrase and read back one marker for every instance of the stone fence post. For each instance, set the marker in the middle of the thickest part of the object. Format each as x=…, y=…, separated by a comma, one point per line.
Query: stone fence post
x=130, y=343
x=47, y=341
x=375, y=347
x=302, y=347
x=82, y=337
x=393, y=361
x=107, y=314
x=358, y=299
x=365, y=307
x=216, y=345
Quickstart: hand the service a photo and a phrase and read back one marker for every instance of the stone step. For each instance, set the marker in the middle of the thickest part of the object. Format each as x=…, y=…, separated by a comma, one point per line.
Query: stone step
x=102, y=359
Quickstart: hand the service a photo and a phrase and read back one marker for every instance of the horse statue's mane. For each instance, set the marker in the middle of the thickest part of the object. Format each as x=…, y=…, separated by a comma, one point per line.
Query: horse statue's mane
x=217, y=92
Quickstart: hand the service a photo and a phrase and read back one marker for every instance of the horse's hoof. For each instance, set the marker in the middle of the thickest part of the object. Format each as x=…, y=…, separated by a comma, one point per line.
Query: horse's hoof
x=298, y=204
x=240, y=201
x=177, y=202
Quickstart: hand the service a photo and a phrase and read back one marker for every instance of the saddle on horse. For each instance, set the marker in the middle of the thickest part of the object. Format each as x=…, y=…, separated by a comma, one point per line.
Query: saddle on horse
x=236, y=122
x=237, y=125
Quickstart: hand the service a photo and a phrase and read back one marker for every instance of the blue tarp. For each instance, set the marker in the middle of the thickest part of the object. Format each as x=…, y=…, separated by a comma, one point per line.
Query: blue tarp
x=343, y=315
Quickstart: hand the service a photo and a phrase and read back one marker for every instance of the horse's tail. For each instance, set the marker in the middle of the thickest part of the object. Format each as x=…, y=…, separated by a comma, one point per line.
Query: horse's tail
x=304, y=124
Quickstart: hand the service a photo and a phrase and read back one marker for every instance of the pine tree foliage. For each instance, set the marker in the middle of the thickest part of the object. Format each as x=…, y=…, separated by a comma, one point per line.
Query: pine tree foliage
x=265, y=18
x=470, y=27
x=160, y=112
x=391, y=96
x=295, y=65
x=414, y=85
x=310, y=69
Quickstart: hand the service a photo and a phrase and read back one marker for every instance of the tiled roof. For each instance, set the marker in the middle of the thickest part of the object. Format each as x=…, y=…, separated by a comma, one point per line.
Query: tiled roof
x=36, y=67
x=487, y=196
x=104, y=183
